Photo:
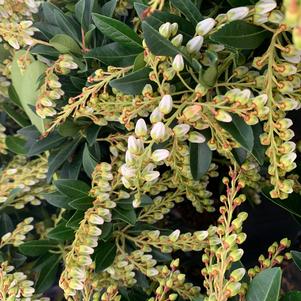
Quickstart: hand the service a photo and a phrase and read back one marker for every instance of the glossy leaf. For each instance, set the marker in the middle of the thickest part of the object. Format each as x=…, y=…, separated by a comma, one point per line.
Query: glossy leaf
x=240, y=131
x=189, y=10
x=128, y=216
x=89, y=162
x=18, y=117
x=61, y=232
x=133, y=83
x=297, y=258
x=117, y=31
x=104, y=255
x=265, y=286
x=200, y=159
x=57, y=199
x=72, y=188
x=233, y=33
x=114, y=54
x=108, y=8
x=83, y=10
x=64, y=44
x=75, y=219
x=36, y=247
x=16, y=144
x=6, y=224
x=82, y=203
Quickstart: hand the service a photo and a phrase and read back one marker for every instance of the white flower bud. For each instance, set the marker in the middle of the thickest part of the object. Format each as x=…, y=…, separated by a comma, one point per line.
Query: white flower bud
x=76, y=284
x=237, y=13
x=195, y=44
x=3, y=199
x=196, y=137
x=265, y=6
x=165, y=30
x=128, y=172
x=177, y=40
x=95, y=219
x=178, y=63
x=151, y=176
x=156, y=115
x=174, y=235
x=165, y=105
x=260, y=19
x=160, y=155
x=158, y=132
x=205, y=26
x=135, y=146
x=141, y=128
x=181, y=130
x=174, y=28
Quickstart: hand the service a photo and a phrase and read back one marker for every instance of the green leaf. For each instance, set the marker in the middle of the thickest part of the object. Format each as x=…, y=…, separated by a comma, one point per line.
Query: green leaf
x=297, y=258
x=114, y=54
x=75, y=219
x=15, y=115
x=108, y=8
x=83, y=11
x=57, y=199
x=6, y=224
x=72, y=188
x=82, y=203
x=104, y=255
x=45, y=143
x=128, y=216
x=265, y=286
x=200, y=159
x=16, y=144
x=57, y=159
x=291, y=296
x=189, y=10
x=92, y=133
x=65, y=44
x=45, y=50
x=36, y=247
x=209, y=76
x=47, y=275
x=61, y=232
x=89, y=162
x=291, y=204
x=133, y=83
x=240, y=131
x=157, y=44
x=117, y=31
x=240, y=35
x=139, y=62
x=26, y=85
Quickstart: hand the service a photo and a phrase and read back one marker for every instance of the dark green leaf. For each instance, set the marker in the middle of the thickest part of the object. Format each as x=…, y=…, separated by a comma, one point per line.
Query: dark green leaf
x=82, y=203
x=20, y=119
x=157, y=44
x=36, y=247
x=72, y=188
x=92, y=133
x=240, y=131
x=233, y=33
x=117, y=31
x=133, y=83
x=291, y=296
x=89, y=162
x=46, y=143
x=200, y=159
x=61, y=232
x=209, y=76
x=189, y=10
x=139, y=62
x=240, y=155
x=292, y=204
x=75, y=219
x=16, y=144
x=258, y=150
x=57, y=199
x=104, y=255
x=265, y=286
x=47, y=275
x=6, y=224
x=107, y=230
x=56, y=160
x=297, y=258
x=108, y=8
x=128, y=216
x=45, y=50
x=83, y=11
x=114, y=54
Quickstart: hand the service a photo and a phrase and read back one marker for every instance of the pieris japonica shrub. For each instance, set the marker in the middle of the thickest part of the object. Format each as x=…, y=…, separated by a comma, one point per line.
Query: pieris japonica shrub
x=117, y=114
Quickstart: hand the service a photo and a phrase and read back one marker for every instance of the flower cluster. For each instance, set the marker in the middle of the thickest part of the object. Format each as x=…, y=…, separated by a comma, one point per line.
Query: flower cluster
x=17, y=237
x=3, y=148
x=50, y=92
x=78, y=261
x=293, y=19
x=23, y=182
x=16, y=286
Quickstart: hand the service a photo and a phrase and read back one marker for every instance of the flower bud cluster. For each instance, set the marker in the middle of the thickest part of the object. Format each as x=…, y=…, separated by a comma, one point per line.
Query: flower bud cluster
x=16, y=286
x=79, y=259
x=111, y=294
x=3, y=148
x=275, y=257
x=17, y=34
x=50, y=92
x=265, y=11
x=23, y=182
x=17, y=237
x=226, y=251
x=16, y=10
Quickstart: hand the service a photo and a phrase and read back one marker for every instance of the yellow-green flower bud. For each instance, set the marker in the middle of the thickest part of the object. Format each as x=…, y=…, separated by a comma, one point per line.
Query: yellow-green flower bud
x=205, y=26
x=178, y=63
x=177, y=40
x=237, y=274
x=166, y=104
x=195, y=44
